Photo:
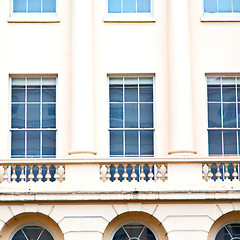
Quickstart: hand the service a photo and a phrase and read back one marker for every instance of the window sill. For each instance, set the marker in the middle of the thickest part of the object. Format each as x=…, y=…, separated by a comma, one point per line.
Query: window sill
x=33, y=19
x=129, y=19
x=217, y=17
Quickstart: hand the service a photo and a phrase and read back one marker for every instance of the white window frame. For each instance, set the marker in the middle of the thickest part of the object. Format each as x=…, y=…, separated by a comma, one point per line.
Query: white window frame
x=153, y=128
x=33, y=17
x=130, y=17
x=237, y=128
x=25, y=129
x=220, y=16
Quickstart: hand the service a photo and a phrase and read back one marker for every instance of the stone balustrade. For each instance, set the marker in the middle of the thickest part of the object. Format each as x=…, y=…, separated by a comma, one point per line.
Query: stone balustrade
x=221, y=171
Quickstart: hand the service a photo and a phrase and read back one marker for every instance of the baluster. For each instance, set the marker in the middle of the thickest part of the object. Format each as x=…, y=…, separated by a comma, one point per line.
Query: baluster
x=31, y=176
x=39, y=175
x=226, y=172
x=218, y=173
x=100, y=173
x=116, y=174
x=235, y=173
x=14, y=175
x=205, y=171
x=48, y=175
x=133, y=175
x=142, y=174
x=210, y=174
x=108, y=174
x=125, y=174
x=56, y=175
x=5, y=175
x=159, y=174
x=63, y=174
x=163, y=171
x=150, y=174
x=22, y=175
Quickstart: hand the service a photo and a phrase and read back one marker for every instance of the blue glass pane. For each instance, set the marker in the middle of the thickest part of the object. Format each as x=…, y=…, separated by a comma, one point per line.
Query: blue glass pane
x=214, y=115
x=146, y=143
x=236, y=5
x=146, y=115
x=214, y=93
x=18, y=115
x=146, y=94
x=34, y=5
x=116, y=94
x=215, y=142
x=131, y=115
x=238, y=93
x=49, y=95
x=18, y=94
x=116, y=142
x=239, y=115
x=229, y=115
x=114, y=6
x=116, y=115
x=229, y=93
x=230, y=142
x=33, y=115
x=18, y=144
x=131, y=142
x=49, y=143
x=131, y=94
x=143, y=6
x=33, y=143
x=49, y=5
x=210, y=6
x=49, y=115
x=33, y=95
x=224, y=6
x=129, y=6
x=120, y=235
x=19, y=6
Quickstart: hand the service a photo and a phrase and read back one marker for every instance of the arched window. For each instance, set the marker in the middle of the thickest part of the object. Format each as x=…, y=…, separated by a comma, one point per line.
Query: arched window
x=32, y=233
x=134, y=232
x=229, y=232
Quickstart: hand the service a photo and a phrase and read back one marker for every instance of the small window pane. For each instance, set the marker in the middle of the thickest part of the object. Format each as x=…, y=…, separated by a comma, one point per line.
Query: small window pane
x=33, y=143
x=49, y=5
x=224, y=6
x=18, y=94
x=146, y=115
x=49, y=95
x=215, y=142
x=131, y=115
x=18, y=144
x=33, y=116
x=129, y=6
x=210, y=6
x=230, y=142
x=229, y=93
x=229, y=115
x=116, y=142
x=49, y=115
x=116, y=94
x=143, y=6
x=49, y=143
x=214, y=115
x=146, y=94
x=18, y=115
x=116, y=115
x=131, y=94
x=114, y=6
x=34, y=5
x=33, y=95
x=236, y=5
x=214, y=93
x=131, y=142
x=19, y=6
x=146, y=143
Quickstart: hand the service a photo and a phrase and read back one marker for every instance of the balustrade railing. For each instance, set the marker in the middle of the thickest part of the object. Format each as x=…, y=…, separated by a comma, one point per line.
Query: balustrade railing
x=140, y=172
x=16, y=173
x=221, y=171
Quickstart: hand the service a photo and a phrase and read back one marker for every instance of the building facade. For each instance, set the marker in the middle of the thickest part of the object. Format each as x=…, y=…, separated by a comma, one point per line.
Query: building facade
x=120, y=119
